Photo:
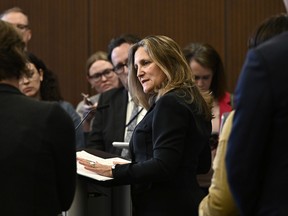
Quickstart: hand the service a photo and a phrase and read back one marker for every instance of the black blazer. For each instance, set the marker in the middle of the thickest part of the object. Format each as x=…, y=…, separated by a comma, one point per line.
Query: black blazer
x=257, y=161
x=37, y=156
x=109, y=122
x=165, y=149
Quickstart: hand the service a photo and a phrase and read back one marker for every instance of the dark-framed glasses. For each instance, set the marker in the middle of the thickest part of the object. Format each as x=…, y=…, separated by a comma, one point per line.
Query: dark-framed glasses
x=98, y=76
x=118, y=69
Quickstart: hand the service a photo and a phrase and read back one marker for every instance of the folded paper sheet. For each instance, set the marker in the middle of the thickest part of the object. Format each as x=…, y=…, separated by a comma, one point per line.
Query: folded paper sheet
x=109, y=161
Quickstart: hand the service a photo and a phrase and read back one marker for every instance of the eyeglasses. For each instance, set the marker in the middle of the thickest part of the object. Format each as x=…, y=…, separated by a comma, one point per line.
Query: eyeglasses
x=118, y=69
x=98, y=76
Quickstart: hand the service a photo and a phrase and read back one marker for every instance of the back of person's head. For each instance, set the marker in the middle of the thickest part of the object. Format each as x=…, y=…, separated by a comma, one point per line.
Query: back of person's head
x=205, y=55
x=99, y=55
x=125, y=38
x=49, y=88
x=269, y=28
x=12, y=58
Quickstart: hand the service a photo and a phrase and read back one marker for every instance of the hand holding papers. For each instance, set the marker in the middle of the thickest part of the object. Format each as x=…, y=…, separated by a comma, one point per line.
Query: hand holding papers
x=95, y=167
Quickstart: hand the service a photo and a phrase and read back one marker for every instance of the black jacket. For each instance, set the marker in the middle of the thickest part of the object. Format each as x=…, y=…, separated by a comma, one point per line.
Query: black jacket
x=165, y=149
x=109, y=122
x=37, y=155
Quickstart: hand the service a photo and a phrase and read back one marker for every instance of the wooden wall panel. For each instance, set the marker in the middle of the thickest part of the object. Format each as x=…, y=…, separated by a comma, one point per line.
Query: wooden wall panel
x=183, y=20
x=242, y=18
x=66, y=32
x=60, y=31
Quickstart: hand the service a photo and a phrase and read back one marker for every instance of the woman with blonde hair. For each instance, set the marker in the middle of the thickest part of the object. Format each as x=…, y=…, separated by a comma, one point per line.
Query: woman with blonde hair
x=167, y=144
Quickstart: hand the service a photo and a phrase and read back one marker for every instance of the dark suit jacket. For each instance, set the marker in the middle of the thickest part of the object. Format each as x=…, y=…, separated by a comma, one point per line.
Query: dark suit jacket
x=37, y=155
x=165, y=149
x=109, y=122
x=257, y=156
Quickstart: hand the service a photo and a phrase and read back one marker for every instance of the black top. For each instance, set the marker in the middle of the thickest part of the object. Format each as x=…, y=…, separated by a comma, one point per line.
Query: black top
x=165, y=150
x=109, y=122
x=37, y=156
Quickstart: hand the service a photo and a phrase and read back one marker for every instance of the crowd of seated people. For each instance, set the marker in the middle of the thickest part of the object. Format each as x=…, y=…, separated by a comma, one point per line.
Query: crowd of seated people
x=135, y=88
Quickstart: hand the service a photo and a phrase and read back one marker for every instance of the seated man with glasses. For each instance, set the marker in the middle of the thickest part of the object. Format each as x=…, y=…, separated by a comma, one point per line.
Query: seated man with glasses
x=101, y=77
x=19, y=20
x=115, y=107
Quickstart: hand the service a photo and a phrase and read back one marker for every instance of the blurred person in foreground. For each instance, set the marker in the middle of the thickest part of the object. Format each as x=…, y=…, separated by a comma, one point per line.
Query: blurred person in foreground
x=19, y=19
x=167, y=143
x=220, y=202
x=38, y=172
x=259, y=133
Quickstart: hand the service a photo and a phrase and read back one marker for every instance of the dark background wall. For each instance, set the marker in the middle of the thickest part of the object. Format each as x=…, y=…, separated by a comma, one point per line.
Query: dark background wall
x=66, y=32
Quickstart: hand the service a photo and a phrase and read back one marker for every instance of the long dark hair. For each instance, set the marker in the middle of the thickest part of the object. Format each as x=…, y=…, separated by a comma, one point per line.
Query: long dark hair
x=49, y=88
x=208, y=57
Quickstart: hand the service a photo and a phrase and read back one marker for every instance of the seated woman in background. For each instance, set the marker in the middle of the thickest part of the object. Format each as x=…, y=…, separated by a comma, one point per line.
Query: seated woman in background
x=101, y=77
x=42, y=84
x=209, y=74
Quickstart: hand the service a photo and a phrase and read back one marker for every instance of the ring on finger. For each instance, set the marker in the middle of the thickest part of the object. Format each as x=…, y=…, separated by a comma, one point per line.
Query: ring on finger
x=92, y=164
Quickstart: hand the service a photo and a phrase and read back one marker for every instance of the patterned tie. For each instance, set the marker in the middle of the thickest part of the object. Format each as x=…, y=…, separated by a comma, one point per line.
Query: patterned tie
x=130, y=127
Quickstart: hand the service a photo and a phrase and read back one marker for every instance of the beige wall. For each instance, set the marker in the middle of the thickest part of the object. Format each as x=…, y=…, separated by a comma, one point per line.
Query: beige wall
x=66, y=32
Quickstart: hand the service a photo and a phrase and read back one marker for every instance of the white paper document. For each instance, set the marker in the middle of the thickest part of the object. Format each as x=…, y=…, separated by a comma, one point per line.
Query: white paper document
x=109, y=161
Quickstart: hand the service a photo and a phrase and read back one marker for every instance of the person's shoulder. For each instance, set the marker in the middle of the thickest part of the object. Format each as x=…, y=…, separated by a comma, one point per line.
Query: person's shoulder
x=172, y=98
x=173, y=94
x=277, y=42
x=278, y=39
x=272, y=53
x=37, y=104
x=41, y=107
x=66, y=105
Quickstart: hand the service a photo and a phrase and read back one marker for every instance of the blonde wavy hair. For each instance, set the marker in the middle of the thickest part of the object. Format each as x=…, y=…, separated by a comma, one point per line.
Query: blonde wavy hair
x=168, y=56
